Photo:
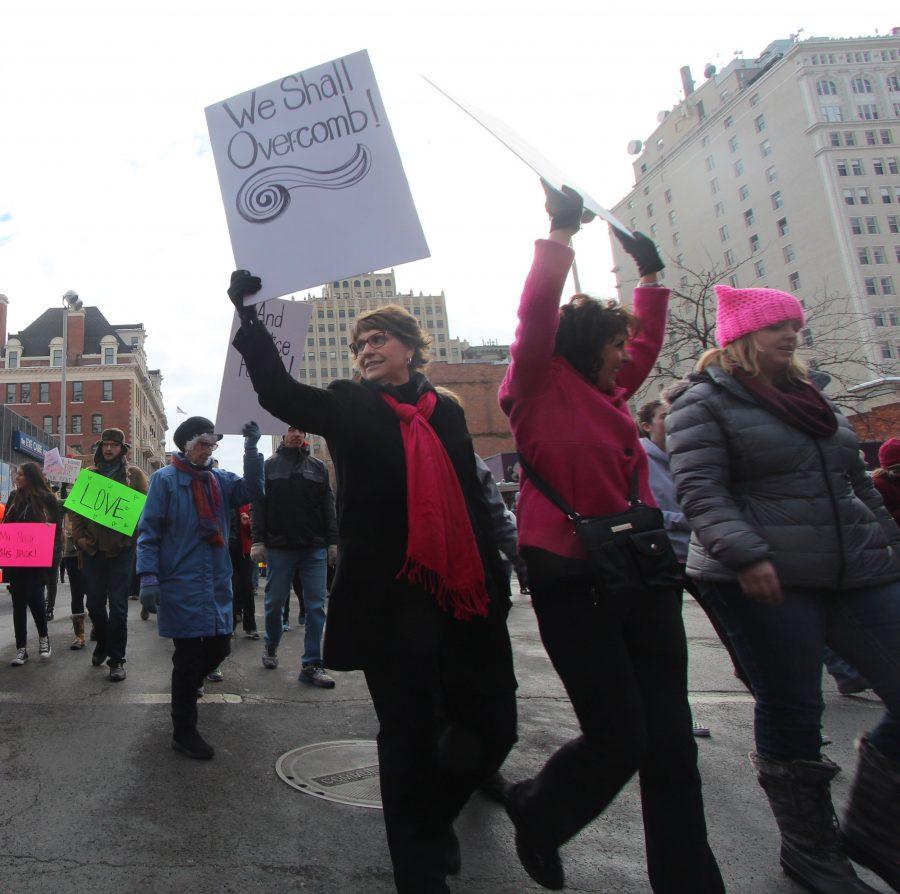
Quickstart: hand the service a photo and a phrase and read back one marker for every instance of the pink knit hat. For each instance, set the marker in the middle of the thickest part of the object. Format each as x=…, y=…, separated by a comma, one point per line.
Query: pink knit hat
x=889, y=453
x=741, y=311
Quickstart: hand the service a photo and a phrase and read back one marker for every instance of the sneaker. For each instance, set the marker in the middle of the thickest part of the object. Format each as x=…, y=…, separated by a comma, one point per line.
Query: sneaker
x=144, y=614
x=20, y=659
x=215, y=676
x=44, y=647
x=313, y=675
x=116, y=672
x=270, y=657
x=251, y=634
x=193, y=745
x=700, y=731
x=286, y=626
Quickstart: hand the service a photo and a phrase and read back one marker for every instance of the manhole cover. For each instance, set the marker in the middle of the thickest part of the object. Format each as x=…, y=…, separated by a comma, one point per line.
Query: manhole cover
x=345, y=772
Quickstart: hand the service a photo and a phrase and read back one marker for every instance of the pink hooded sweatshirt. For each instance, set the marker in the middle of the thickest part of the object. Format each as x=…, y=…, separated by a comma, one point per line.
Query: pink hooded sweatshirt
x=580, y=439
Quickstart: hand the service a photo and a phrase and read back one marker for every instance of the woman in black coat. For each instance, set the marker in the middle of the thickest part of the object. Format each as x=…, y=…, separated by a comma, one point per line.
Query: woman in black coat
x=434, y=649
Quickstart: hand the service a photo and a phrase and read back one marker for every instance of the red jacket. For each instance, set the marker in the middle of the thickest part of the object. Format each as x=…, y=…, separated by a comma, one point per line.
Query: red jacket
x=582, y=440
x=889, y=488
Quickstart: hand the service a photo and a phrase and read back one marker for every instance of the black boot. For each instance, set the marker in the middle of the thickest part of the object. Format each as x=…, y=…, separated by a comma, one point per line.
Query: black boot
x=800, y=796
x=100, y=654
x=188, y=741
x=871, y=830
x=541, y=862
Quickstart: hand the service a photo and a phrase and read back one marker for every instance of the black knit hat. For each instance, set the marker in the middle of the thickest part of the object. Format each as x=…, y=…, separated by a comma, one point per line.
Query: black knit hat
x=190, y=428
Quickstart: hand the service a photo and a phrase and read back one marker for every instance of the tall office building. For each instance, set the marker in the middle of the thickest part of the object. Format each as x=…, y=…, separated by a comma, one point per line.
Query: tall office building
x=782, y=171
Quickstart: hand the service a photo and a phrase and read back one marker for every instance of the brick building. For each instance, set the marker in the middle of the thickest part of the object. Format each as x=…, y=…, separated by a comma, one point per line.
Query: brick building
x=108, y=384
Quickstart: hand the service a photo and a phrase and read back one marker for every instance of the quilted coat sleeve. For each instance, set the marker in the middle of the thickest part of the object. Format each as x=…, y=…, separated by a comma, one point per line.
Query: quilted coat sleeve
x=698, y=450
x=868, y=493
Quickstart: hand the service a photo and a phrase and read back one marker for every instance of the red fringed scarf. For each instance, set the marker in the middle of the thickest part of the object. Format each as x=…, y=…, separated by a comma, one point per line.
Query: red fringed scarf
x=441, y=552
x=207, y=499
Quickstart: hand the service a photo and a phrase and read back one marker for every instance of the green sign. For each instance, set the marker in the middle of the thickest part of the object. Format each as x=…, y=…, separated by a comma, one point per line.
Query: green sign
x=106, y=502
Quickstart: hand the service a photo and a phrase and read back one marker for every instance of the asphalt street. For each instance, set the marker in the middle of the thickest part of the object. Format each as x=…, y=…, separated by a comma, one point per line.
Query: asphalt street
x=94, y=799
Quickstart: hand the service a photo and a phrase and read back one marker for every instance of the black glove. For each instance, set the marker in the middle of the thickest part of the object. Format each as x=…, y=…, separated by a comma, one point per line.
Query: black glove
x=565, y=207
x=642, y=249
x=243, y=284
x=251, y=434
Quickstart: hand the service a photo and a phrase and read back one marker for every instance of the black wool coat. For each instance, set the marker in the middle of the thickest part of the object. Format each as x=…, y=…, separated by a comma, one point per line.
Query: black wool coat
x=364, y=439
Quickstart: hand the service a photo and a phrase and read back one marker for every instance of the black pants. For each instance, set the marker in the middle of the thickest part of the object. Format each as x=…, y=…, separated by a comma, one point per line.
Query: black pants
x=27, y=588
x=624, y=666
x=192, y=660
x=107, y=580
x=440, y=733
x=242, y=590
x=76, y=583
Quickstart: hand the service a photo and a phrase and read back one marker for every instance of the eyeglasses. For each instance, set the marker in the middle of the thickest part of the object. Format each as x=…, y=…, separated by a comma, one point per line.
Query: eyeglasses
x=208, y=445
x=110, y=444
x=375, y=340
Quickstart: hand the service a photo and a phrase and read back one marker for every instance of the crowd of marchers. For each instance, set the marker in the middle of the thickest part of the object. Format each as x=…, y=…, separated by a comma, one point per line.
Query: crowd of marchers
x=744, y=486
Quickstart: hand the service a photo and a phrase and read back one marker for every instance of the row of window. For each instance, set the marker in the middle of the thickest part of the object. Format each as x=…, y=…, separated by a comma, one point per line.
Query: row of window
x=77, y=393
x=345, y=370
x=889, y=316
x=345, y=284
x=879, y=285
x=108, y=357
x=781, y=225
x=876, y=254
x=865, y=111
x=869, y=225
x=863, y=195
x=855, y=56
x=75, y=424
x=859, y=85
x=872, y=137
x=857, y=168
x=793, y=286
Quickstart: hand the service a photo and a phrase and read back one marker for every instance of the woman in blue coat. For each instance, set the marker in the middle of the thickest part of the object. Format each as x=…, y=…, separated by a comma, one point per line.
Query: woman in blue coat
x=184, y=566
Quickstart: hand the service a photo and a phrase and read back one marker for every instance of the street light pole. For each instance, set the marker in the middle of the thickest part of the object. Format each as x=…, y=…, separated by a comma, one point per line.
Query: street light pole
x=70, y=302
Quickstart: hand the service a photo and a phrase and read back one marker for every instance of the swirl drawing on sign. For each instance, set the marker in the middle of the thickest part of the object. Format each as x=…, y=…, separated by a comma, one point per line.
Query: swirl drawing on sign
x=266, y=194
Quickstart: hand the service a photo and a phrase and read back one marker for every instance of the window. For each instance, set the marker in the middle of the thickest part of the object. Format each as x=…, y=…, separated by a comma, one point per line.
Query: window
x=729, y=120
x=835, y=139
x=826, y=88
x=729, y=257
x=849, y=138
x=868, y=111
x=733, y=281
x=705, y=140
x=676, y=239
x=733, y=144
x=760, y=268
x=650, y=210
x=861, y=85
x=893, y=83
x=96, y=424
x=765, y=149
x=723, y=233
x=714, y=185
x=878, y=255
x=76, y=424
x=653, y=230
x=12, y=359
x=887, y=285
x=738, y=168
x=56, y=358
x=320, y=314
x=754, y=244
x=782, y=227
x=893, y=223
x=673, y=218
x=842, y=168
x=107, y=389
x=897, y=253
x=789, y=254
x=832, y=113
x=864, y=196
x=794, y=281
x=862, y=255
x=667, y=195
x=759, y=122
x=856, y=166
x=887, y=137
x=892, y=165
x=878, y=166
x=48, y=425
x=872, y=226
x=871, y=138
x=44, y=393
x=77, y=392
x=754, y=99
x=744, y=193
x=109, y=355
x=856, y=226
x=710, y=162
x=886, y=195
x=771, y=174
x=878, y=319
x=719, y=209
x=748, y=217
x=10, y=394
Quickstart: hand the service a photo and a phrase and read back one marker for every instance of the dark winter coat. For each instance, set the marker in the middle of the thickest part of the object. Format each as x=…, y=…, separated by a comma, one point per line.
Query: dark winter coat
x=298, y=507
x=754, y=488
x=363, y=437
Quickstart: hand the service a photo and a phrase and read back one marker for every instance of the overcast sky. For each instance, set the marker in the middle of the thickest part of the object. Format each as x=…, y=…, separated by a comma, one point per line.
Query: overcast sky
x=108, y=187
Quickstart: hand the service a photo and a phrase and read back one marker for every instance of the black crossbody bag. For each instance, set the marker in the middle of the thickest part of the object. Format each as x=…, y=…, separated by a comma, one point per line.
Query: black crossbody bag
x=629, y=551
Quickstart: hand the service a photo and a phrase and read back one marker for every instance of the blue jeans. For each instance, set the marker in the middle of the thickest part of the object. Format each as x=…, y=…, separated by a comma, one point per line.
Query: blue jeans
x=781, y=647
x=312, y=565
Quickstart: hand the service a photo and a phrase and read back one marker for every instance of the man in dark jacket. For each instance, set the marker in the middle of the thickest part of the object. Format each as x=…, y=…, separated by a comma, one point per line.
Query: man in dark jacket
x=295, y=529
x=109, y=558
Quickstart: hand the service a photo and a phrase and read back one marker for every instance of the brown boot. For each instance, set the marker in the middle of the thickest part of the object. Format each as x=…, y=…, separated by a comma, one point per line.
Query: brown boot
x=78, y=626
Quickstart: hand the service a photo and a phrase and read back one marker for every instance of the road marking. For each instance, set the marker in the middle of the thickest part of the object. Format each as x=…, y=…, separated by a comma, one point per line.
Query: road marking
x=131, y=698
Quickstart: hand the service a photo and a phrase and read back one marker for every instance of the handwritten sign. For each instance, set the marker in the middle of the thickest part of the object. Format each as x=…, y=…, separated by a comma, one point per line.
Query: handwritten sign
x=287, y=323
x=311, y=178
x=527, y=153
x=60, y=469
x=106, y=502
x=26, y=545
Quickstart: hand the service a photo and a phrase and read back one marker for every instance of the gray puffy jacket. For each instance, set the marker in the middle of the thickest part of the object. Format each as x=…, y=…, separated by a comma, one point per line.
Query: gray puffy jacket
x=755, y=488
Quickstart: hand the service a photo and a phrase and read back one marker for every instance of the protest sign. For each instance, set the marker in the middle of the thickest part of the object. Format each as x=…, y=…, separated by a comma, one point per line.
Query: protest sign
x=287, y=323
x=106, y=502
x=311, y=178
x=60, y=469
x=527, y=153
x=26, y=545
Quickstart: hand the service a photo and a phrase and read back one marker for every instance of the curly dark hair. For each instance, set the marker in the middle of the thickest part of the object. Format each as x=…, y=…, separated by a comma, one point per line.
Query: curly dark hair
x=400, y=323
x=586, y=326
x=646, y=413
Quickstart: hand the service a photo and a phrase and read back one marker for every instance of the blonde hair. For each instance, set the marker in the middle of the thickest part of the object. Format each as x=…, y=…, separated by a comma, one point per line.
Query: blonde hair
x=744, y=352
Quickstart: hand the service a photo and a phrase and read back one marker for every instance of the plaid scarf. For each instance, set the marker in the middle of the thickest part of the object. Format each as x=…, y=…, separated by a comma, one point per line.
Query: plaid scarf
x=207, y=498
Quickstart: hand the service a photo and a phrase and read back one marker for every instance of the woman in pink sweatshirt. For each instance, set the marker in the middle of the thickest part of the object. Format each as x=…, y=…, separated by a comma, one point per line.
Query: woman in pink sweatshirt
x=623, y=661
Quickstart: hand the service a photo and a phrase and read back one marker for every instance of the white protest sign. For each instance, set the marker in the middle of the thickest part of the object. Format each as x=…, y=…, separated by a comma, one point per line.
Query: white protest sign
x=60, y=469
x=287, y=322
x=53, y=464
x=527, y=153
x=311, y=178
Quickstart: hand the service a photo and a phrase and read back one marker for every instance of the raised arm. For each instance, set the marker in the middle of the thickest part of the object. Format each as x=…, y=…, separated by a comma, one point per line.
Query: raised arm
x=252, y=486
x=311, y=409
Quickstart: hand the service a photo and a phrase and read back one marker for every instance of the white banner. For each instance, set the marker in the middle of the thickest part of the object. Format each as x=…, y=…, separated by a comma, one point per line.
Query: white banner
x=287, y=322
x=312, y=181
x=527, y=153
x=60, y=469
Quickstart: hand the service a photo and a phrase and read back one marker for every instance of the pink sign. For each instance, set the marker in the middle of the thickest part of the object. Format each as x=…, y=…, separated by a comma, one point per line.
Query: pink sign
x=26, y=545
